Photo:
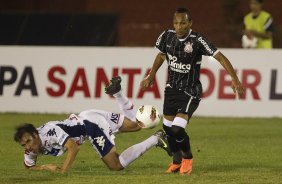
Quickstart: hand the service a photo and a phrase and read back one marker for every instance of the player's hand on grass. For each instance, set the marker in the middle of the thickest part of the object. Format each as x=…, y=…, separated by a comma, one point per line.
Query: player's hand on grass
x=52, y=167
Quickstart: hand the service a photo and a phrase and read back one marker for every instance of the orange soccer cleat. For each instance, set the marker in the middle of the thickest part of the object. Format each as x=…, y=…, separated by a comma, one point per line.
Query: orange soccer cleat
x=186, y=166
x=173, y=168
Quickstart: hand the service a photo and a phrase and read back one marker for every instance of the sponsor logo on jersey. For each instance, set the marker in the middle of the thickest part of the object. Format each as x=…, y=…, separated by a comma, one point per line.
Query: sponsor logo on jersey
x=115, y=118
x=159, y=39
x=204, y=43
x=178, y=67
x=52, y=132
x=188, y=47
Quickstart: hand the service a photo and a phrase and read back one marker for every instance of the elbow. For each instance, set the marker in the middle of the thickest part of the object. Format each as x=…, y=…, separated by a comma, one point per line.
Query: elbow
x=71, y=146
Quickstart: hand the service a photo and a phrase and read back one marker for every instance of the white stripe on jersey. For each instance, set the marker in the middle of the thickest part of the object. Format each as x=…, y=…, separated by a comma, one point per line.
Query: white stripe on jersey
x=215, y=52
x=171, y=30
x=268, y=23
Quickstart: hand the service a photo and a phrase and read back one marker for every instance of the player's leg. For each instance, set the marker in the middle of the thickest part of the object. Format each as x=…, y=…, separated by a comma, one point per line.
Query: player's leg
x=111, y=159
x=101, y=137
x=114, y=89
x=135, y=151
x=118, y=162
x=100, y=134
x=169, y=110
x=182, y=142
x=176, y=153
x=182, y=139
x=100, y=126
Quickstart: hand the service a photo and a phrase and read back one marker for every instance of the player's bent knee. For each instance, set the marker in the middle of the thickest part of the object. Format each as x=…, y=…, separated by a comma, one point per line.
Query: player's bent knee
x=177, y=132
x=115, y=167
x=112, y=160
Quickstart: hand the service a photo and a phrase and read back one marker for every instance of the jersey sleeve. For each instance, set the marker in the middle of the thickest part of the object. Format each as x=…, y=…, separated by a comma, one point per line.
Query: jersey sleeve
x=29, y=159
x=206, y=47
x=161, y=42
x=268, y=26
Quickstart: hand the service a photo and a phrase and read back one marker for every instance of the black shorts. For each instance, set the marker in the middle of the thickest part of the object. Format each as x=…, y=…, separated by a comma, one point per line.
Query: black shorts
x=177, y=101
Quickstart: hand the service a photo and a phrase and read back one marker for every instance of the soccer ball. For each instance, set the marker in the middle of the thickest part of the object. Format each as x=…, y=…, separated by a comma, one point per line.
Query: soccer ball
x=147, y=116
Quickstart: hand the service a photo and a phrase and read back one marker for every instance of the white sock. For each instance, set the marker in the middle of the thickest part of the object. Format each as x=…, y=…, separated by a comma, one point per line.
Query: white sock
x=126, y=106
x=135, y=151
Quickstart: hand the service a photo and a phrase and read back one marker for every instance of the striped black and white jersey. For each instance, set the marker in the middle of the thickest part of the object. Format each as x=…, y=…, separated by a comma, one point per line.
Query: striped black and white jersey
x=184, y=58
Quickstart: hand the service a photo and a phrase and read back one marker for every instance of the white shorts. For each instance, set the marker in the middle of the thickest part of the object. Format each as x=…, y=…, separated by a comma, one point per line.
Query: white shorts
x=103, y=117
x=105, y=124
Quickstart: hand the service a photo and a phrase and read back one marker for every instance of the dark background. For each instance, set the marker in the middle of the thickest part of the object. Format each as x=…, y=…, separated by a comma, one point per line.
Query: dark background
x=123, y=22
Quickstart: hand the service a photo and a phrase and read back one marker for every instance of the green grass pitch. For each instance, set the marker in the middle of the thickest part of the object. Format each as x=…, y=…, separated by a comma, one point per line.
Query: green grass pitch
x=226, y=150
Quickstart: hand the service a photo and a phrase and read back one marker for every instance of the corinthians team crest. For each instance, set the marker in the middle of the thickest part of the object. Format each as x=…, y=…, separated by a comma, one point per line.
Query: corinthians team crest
x=188, y=47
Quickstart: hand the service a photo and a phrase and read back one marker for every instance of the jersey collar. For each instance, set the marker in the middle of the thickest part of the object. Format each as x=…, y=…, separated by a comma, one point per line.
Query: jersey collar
x=183, y=39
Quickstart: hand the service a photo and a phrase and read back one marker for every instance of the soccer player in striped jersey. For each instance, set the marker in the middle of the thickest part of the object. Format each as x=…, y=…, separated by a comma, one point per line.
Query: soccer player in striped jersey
x=183, y=48
x=56, y=137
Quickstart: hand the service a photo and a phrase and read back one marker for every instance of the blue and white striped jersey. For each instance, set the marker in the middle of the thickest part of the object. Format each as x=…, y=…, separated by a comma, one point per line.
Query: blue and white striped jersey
x=54, y=135
x=96, y=125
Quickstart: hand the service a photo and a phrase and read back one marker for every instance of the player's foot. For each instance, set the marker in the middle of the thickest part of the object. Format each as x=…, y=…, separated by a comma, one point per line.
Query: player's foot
x=162, y=141
x=173, y=168
x=114, y=86
x=186, y=166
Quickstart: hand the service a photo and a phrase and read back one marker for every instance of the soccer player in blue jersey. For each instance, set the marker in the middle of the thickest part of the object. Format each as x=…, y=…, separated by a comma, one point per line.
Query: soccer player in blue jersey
x=57, y=137
x=183, y=48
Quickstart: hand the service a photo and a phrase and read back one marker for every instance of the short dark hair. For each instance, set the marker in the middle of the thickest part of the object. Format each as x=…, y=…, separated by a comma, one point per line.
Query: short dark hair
x=184, y=10
x=259, y=1
x=22, y=129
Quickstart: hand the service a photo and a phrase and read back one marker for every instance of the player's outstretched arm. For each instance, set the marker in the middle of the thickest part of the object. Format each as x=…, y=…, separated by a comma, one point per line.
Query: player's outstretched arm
x=48, y=167
x=129, y=126
x=72, y=150
x=148, y=81
x=236, y=84
x=254, y=33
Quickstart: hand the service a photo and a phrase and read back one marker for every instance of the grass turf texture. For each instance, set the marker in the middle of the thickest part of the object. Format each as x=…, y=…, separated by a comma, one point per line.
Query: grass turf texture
x=226, y=150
